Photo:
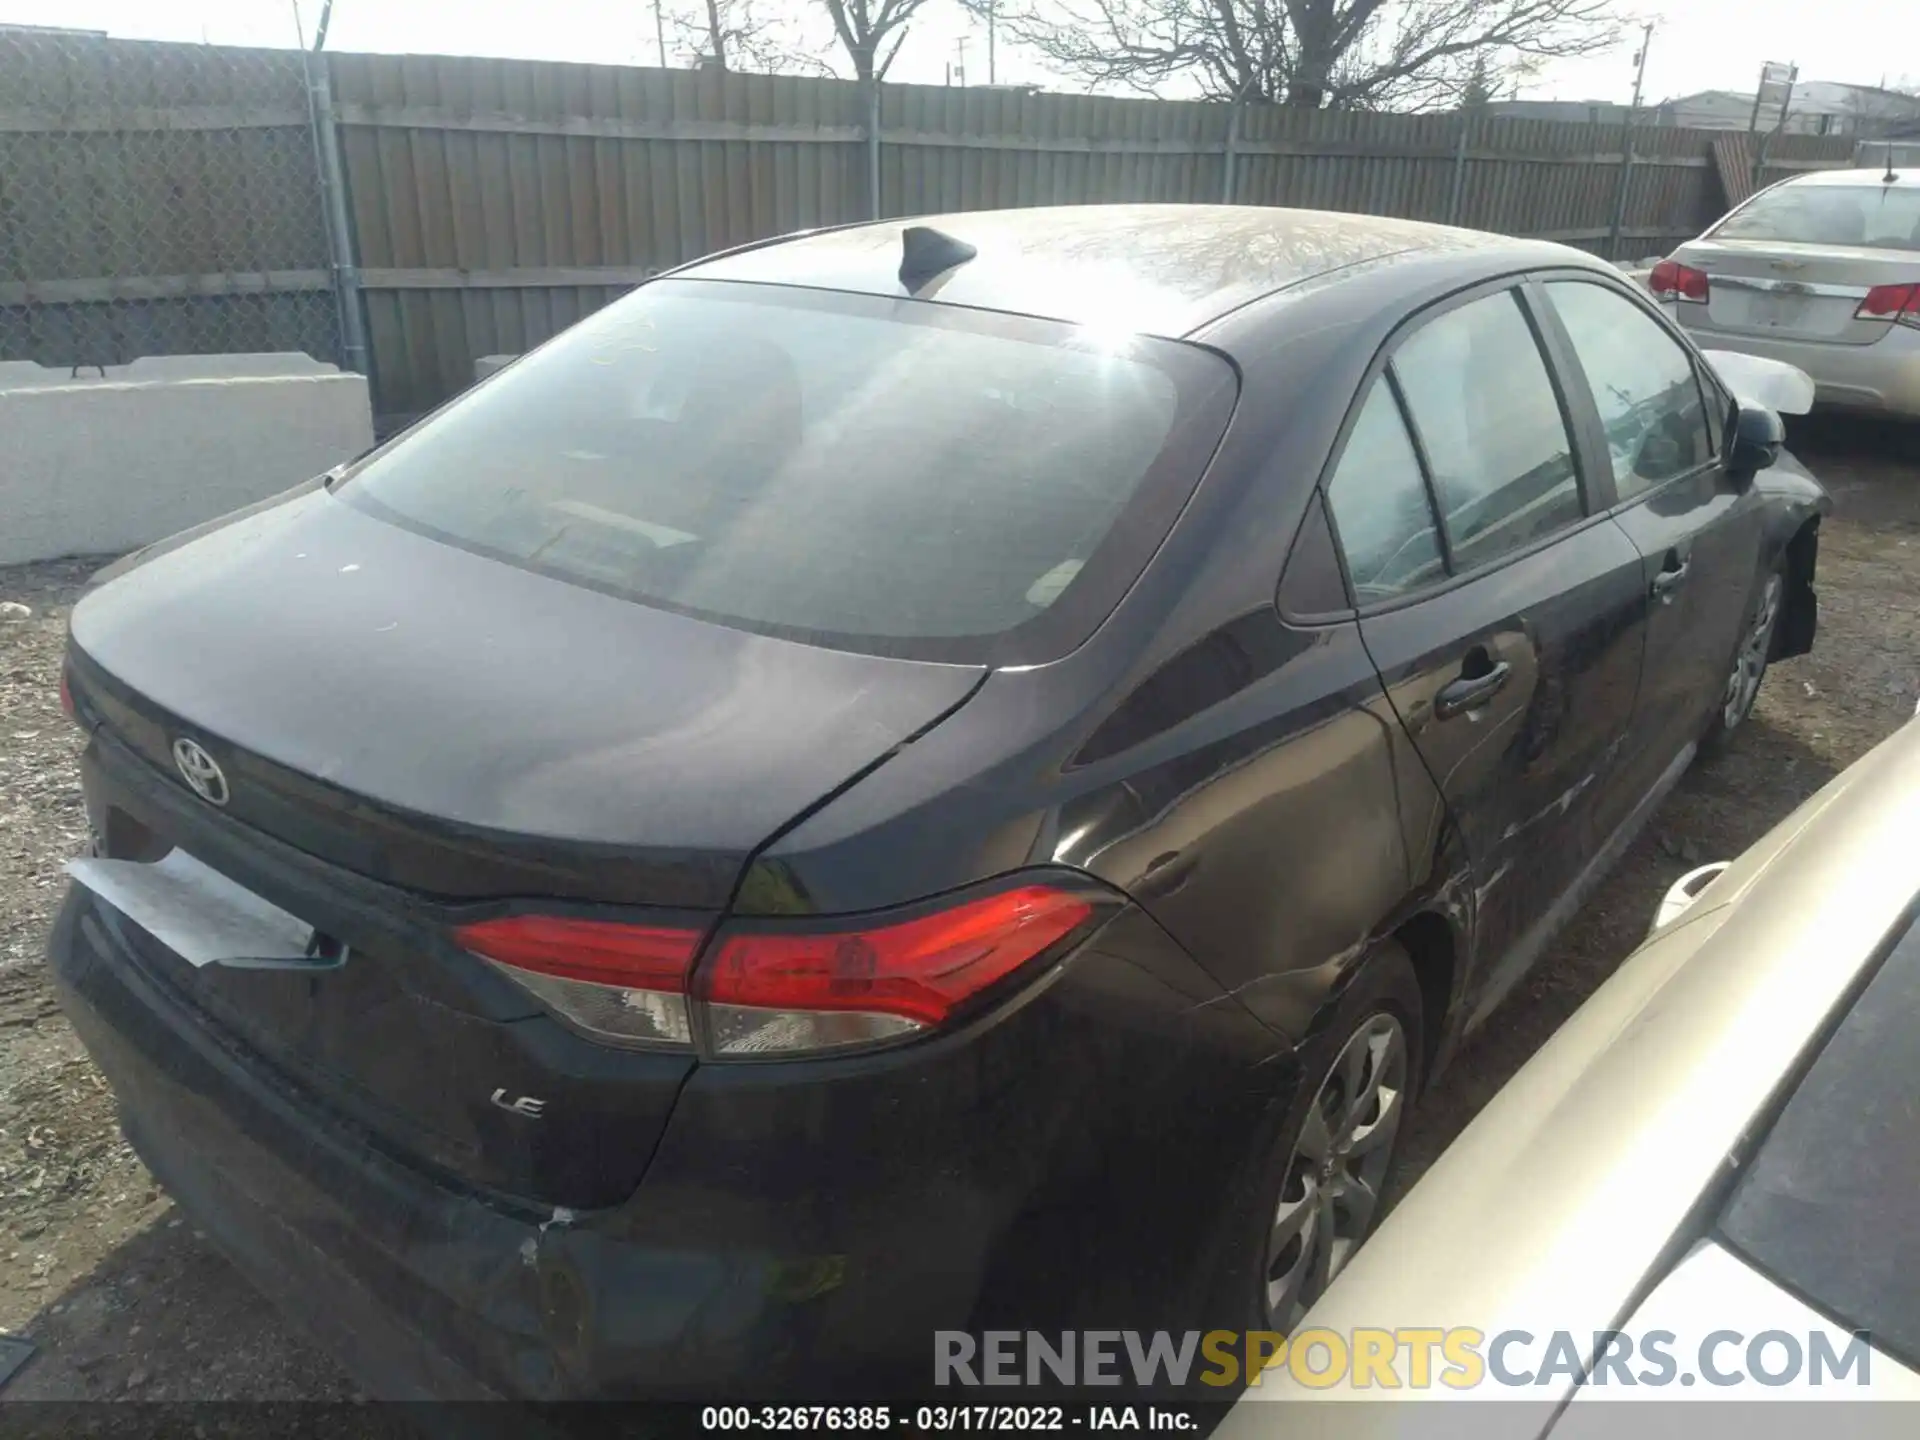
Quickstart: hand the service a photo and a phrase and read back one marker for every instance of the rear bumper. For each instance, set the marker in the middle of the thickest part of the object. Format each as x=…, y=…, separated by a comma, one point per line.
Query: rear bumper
x=790, y=1240
x=314, y=1219
x=1881, y=378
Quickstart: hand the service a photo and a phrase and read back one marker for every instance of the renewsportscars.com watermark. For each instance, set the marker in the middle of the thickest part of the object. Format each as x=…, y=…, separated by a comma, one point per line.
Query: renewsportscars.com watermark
x=1402, y=1359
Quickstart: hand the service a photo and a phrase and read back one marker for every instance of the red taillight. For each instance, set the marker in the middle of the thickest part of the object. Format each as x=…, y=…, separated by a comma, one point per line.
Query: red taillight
x=917, y=970
x=1892, y=302
x=768, y=991
x=1671, y=280
x=66, y=698
x=625, y=983
x=638, y=957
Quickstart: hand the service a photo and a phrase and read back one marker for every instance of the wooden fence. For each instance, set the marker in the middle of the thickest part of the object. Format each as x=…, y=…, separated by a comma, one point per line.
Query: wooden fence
x=492, y=202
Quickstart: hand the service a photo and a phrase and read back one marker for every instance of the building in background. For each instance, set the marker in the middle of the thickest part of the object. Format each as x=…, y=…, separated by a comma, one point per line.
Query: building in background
x=1897, y=147
x=1818, y=107
x=1579, y=112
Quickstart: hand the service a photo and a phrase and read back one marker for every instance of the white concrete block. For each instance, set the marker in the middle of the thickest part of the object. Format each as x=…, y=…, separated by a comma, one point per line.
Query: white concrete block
x=94, y=464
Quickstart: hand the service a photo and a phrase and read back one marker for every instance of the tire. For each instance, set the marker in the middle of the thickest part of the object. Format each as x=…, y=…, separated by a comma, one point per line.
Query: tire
x=1309, y=1223
x=1748, y=665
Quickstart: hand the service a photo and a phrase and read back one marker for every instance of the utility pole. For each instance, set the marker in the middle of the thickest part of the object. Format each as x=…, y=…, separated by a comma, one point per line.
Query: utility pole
x=1640, y=61
x=350, y=320
x=660, y=33
x=1626, y=143
x=992, y=5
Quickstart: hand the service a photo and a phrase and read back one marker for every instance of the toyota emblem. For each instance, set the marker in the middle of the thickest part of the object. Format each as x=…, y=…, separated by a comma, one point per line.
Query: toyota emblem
x=200, y=771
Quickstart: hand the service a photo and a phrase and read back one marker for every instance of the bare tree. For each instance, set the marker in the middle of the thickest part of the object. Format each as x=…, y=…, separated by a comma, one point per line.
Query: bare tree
x=871, y=32
x=1877, y=111
x=1348, y=54
x=769, y=35
x=716, y=35
x=739, y=35
x=1477, y=92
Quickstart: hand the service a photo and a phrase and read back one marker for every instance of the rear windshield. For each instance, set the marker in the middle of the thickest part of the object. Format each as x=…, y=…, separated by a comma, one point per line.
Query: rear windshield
x=1878, y=217
x=1830, y=1206
x=873, y=474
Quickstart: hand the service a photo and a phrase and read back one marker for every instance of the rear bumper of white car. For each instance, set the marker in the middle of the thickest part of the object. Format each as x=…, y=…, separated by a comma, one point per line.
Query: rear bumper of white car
x=1883, y=377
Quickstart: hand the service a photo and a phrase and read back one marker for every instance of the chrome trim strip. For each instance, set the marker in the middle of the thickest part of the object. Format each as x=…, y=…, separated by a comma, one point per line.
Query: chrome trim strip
x=1855, y=293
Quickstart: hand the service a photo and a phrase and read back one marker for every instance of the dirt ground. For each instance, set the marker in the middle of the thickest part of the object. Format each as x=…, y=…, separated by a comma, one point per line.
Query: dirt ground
x=126, y=1301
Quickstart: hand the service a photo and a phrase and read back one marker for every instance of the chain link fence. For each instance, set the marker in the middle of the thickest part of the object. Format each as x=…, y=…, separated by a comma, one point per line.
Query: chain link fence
x=157, y=200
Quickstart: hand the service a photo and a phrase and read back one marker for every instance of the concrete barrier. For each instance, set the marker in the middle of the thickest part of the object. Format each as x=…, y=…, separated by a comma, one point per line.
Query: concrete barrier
x=102, y=462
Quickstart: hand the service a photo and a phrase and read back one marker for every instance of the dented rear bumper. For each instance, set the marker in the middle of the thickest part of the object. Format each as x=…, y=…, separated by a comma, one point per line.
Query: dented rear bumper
x=420, y=1290
x=802, y=1231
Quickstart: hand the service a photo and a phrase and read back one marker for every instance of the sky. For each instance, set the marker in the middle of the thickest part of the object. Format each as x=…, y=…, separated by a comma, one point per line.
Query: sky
x=1697, y=44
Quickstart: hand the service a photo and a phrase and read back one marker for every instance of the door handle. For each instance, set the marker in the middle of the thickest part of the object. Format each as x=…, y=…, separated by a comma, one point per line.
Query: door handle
x=1464, y=694
x=1668, y=581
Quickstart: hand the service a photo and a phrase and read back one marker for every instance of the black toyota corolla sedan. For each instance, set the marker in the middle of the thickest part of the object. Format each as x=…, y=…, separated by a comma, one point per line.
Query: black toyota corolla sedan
x=910, y=778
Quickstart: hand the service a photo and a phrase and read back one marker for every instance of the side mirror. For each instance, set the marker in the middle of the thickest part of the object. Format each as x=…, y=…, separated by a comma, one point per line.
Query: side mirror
x=1754, y=438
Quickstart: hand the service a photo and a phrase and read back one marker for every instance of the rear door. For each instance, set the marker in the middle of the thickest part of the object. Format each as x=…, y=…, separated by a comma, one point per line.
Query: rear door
x=1503, y=612
x=1641, y=394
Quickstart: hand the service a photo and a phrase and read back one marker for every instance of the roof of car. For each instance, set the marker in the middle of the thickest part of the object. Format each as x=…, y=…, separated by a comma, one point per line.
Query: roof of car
x=1157, y=269
x=1876, y=175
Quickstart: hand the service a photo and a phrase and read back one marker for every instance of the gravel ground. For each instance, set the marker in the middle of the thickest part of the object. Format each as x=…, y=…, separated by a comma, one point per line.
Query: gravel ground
x=127, y=1301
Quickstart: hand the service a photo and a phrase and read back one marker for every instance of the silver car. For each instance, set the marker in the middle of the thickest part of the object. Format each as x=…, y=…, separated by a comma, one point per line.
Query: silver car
x=1821, y=271
x=1705, y=1186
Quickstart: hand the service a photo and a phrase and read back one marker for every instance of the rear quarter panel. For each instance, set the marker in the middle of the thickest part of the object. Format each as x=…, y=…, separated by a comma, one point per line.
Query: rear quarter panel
x=1242, y=777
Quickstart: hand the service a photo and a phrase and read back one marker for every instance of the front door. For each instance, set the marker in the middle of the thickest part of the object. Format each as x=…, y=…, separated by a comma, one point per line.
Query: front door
x=1698, y=533
x=1507, y=634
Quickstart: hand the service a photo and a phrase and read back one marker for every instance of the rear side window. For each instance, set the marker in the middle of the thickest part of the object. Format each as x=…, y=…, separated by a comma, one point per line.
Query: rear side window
x=1311, y=583
x=866, y=473
x=1379, y=503
x=1480, y=397
x=1879, y=217
x=1643, y=384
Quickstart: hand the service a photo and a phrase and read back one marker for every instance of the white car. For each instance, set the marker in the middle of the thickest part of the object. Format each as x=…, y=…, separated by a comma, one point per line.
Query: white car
x=1821, y=271
x=1702, y=1188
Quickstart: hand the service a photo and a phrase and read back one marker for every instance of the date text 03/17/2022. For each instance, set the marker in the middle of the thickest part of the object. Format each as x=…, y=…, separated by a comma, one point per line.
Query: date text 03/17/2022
x=946, y=1419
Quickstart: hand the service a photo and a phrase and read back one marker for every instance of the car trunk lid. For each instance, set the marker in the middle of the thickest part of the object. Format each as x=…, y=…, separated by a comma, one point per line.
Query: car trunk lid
x=410, y=736
x=1796, y=292
x=448, y=724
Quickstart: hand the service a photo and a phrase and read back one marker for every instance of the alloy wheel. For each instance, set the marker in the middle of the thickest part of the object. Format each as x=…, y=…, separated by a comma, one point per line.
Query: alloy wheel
x=1750, y=660
x=1331, y=1188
